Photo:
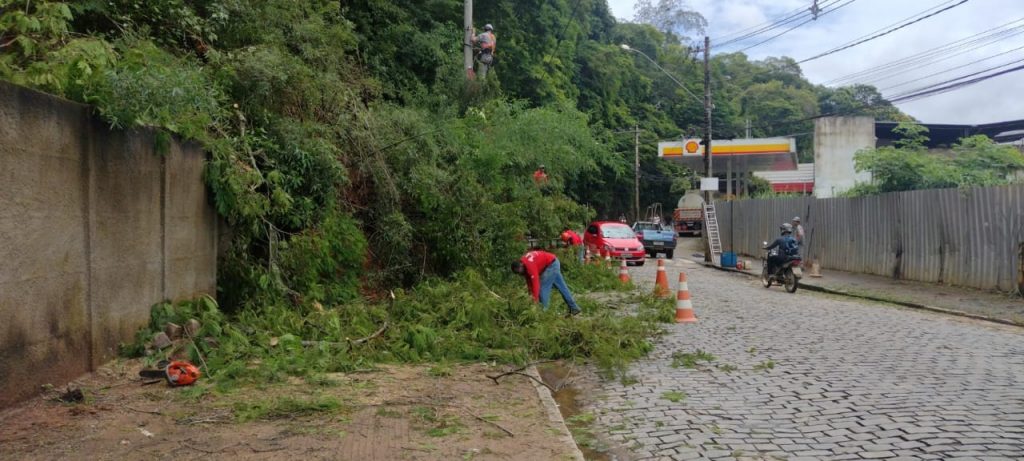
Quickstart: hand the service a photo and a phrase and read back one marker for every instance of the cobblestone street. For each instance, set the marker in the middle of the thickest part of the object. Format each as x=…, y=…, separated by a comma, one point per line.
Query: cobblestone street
x=811, y=376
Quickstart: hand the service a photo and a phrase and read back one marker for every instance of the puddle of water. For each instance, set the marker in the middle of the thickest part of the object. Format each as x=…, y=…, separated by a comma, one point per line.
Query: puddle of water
x=554, y=374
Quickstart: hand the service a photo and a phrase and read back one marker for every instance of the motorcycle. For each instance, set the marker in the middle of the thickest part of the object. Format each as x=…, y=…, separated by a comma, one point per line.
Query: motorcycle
x=788, y=275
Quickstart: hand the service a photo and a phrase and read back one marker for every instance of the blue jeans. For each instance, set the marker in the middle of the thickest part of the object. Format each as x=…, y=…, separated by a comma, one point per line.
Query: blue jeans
x=552, y=277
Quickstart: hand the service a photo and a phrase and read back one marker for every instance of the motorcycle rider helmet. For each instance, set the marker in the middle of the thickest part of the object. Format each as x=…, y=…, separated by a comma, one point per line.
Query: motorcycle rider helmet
x=786, y=228
x=489, y=28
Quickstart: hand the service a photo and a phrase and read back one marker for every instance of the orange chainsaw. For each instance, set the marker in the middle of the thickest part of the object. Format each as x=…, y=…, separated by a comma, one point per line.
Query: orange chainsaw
x=177, y=373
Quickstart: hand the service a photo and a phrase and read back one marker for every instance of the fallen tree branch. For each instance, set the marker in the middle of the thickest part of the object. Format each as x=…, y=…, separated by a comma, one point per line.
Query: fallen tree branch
x=351, y=342
x=152, y=412
x=374, y=335
x=470, y=413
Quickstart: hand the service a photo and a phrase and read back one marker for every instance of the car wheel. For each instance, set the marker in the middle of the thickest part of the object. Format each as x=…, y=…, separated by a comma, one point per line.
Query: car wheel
x=640, y=263
x=668, y=254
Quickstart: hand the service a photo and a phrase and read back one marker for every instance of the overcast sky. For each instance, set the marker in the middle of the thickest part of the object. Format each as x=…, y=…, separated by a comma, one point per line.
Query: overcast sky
x=998, y=99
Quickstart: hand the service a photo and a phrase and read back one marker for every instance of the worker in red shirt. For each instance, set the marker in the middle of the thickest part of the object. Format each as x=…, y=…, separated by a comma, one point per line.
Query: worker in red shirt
x=543, y=271
x=540, y=176
x=571, y=238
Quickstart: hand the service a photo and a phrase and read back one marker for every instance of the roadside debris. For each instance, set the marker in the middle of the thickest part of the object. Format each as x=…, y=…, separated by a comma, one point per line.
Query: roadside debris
x=72, y=396
x=177, y=373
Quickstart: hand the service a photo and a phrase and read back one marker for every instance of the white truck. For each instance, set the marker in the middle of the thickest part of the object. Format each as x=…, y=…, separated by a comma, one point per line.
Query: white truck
x=689, y=216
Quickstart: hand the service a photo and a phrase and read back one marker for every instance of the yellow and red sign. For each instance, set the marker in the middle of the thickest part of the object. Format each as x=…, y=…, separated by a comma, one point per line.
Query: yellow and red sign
x=758, y=146
x=744, y=154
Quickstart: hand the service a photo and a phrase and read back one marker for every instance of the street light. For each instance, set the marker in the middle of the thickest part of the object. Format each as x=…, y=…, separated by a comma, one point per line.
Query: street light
x=706, y=103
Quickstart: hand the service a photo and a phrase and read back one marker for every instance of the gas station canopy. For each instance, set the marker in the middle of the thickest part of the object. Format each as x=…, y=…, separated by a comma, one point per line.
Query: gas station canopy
x=744, y=155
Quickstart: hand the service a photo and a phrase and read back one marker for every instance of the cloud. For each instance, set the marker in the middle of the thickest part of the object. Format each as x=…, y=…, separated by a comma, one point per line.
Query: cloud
x=992, y=100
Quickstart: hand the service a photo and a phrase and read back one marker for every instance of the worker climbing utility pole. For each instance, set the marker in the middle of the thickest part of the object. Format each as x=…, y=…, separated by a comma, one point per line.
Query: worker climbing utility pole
x=708, y=195
x=467, y=40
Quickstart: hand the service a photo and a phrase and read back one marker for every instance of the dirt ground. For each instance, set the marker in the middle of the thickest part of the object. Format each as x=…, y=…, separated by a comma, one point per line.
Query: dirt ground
x=396, y=413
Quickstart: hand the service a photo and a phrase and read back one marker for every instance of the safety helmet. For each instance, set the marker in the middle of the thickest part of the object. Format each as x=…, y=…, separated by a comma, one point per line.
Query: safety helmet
x=796, y=219
x=541, y=167
x=488, y=27
x=786, y=228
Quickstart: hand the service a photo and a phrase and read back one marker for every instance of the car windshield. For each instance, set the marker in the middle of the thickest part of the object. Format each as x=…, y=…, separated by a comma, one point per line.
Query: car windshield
x=642, y=226
x=619, y=231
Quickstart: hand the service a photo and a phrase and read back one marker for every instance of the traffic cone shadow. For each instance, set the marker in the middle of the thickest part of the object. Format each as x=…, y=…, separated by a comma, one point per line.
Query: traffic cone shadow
x=684, y=306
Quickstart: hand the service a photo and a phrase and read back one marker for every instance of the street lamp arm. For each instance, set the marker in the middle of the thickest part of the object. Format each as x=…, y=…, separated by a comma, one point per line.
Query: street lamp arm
x=662, y=69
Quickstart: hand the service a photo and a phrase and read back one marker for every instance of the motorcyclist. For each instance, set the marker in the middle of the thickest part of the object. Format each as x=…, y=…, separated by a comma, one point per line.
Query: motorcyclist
x=787, y=248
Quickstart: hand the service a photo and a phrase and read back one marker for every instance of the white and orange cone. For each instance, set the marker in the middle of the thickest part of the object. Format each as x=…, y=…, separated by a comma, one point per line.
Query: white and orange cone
x=623, y=273
x=684, y=307
x=661, y=289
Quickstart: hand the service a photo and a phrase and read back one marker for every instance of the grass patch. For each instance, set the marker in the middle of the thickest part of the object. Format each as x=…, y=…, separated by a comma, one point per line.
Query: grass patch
x=765, y=365
x=673, y=396
x=726, y=367
x=691, y=360
x=441, y=370
x=286, y=407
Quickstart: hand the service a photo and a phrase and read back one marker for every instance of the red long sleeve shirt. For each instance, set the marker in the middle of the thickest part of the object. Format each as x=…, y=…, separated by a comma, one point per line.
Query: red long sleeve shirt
x=536, y=261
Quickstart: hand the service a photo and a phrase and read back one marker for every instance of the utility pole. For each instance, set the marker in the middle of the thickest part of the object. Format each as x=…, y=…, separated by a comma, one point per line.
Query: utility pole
x=707, y=138
x=467, y=40
x=636, y=172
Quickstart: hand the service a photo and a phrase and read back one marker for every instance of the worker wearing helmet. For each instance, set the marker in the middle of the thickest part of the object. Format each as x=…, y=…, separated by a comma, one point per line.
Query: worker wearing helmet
x=484, y=43
x=787, y=248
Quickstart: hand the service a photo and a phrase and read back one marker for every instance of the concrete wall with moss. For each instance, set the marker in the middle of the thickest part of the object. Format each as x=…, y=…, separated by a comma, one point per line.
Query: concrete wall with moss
x=95, y=226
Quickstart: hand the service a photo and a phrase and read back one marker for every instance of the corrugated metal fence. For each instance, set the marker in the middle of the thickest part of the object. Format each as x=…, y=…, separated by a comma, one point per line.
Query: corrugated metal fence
x=966, y=237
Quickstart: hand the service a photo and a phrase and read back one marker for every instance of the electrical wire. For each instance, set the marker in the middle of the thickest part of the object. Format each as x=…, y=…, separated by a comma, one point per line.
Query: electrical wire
x=882, y=34
x=727, y=37
x=970, y=43
x=822, y=13
x=950, y=69
x=790, y=18
x=880, y=29
x=955, y=83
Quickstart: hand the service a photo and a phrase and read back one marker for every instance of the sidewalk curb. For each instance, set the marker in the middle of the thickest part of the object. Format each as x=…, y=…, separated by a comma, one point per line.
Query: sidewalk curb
x=940, y=310
x=555, y=416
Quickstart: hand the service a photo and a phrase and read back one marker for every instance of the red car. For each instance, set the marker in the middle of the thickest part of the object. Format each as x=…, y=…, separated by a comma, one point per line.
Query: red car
x=616, y=238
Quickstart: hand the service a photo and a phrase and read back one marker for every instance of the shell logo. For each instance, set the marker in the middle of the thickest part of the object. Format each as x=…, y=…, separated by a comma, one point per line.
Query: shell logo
x=692, y=146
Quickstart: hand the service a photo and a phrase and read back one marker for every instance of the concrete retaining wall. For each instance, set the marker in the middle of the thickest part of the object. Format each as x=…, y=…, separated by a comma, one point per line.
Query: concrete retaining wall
x=95, y=227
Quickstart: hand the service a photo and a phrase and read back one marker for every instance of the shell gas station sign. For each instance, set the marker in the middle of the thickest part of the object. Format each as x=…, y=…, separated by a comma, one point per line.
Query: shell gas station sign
x=744, y=154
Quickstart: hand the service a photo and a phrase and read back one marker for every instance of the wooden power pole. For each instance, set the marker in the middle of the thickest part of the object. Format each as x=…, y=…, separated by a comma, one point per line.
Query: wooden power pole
x=707, y=139
x=467, y=40
x=636, y=172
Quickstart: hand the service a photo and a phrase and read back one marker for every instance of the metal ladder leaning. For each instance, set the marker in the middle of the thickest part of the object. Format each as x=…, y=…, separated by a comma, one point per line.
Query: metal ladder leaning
x=711, y=227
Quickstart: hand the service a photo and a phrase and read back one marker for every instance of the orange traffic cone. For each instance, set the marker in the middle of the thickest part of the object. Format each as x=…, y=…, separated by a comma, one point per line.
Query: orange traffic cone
x=623, y=273
x=684, y=307
x=661, y=289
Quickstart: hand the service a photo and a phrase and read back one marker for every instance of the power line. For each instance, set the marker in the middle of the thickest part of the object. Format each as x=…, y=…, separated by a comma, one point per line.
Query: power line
x=954, y=83
x=725, y=38
x=972, y=42
x=914, y=95
x=925, y=63
x=846, y=47
x=792, y=16
x=951, y=69
x=824, y=12
x=880, y=29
